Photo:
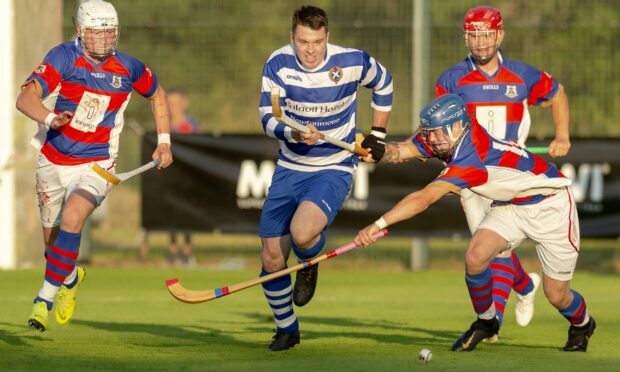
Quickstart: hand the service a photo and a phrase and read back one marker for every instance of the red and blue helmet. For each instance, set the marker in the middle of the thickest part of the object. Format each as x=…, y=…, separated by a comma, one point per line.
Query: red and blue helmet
x=443, y=113
x=483, y=18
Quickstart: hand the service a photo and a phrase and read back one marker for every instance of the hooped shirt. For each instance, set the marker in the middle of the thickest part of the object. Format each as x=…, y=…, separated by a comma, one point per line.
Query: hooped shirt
x=499, y=101
x=326, y=97
x=499, y=170
x=96, y=93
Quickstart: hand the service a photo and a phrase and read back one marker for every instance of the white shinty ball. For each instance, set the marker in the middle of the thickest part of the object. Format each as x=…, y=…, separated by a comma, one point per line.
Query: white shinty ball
x=425, y=355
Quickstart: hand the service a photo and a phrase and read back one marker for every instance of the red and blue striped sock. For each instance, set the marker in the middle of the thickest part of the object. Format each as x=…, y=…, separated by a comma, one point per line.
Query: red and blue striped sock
x=279, y=295
x=576, y=312
x=522, y=283
x=503, y=278
x=480, y=287
x=60, y=259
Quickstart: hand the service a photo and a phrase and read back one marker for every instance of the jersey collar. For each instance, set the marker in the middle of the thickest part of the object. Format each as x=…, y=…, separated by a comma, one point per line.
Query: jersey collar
x=474, y=67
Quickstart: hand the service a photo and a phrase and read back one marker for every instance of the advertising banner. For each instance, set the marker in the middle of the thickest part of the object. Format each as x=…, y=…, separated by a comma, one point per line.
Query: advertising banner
x=220, y=183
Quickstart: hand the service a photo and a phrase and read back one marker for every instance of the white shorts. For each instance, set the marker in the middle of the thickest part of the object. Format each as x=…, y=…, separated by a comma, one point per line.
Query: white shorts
x=475, y=207
x=552, y=223
x=56, y=182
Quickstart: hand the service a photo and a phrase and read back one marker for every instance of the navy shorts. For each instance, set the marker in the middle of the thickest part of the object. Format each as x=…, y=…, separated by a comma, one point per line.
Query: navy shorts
x=328, y=189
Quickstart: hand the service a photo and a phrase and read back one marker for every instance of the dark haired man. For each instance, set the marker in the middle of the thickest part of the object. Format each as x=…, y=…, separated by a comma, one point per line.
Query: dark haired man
x=318, y=84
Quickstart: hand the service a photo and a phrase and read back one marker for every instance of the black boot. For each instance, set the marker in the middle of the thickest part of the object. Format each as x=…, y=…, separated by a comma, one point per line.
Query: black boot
x=478, y=331
x=283, y=341
x=305, y=284
x=578, y=337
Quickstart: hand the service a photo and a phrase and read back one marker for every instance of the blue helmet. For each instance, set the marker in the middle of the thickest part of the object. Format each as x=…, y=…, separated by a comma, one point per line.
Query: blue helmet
x=443, y=113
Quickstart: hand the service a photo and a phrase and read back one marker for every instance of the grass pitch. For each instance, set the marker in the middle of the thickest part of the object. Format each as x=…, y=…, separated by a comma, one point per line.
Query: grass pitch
x=358, y=321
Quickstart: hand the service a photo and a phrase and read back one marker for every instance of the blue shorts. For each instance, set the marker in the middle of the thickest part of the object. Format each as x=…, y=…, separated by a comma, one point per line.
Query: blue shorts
x=328, y=189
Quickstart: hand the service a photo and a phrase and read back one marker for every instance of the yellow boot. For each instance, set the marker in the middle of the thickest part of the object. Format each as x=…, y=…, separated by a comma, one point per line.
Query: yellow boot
x=65, y=303
x=38, y=318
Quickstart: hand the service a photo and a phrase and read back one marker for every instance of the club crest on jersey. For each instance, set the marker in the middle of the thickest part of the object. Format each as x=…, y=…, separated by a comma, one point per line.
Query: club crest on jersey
x=335, y=74
x=116, y=82
x=511, y=91
x=40, y=69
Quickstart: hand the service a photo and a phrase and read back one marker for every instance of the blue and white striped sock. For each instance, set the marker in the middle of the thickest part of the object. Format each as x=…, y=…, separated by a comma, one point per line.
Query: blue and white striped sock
x=279, y=295
x=306, y=254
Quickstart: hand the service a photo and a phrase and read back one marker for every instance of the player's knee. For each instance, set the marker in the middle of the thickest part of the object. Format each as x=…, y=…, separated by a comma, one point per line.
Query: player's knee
x=558, y=297
x=303, y=239
x=272, y=259
x=474, y=261
x=271, y=263
x=71, y=222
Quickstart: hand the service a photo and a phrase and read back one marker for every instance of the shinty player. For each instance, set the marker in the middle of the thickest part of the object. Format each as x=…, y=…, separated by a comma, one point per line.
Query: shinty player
x=531, y=199
x=318, y=82
x=498, y=92
x=78, y=95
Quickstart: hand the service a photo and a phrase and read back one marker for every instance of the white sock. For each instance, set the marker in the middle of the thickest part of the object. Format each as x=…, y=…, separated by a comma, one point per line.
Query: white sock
x=71, y=277
x=489, y=314
x=586, y=319
x=48, y=291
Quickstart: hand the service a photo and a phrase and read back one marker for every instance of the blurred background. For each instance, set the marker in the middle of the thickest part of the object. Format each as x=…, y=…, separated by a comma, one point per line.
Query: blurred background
x=214, y=50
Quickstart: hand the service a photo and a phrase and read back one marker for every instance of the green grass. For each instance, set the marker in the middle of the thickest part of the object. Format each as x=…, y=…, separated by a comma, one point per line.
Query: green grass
x=358, y=321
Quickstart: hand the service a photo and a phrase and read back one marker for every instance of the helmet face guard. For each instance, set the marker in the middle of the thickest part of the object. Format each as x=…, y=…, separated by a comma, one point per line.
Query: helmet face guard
x=481, y=27
x=99, y=42
x=98, y=28
x=438, y=124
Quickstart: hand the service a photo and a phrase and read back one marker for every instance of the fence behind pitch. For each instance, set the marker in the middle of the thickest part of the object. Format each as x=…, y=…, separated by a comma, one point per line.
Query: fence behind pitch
x=215, y=50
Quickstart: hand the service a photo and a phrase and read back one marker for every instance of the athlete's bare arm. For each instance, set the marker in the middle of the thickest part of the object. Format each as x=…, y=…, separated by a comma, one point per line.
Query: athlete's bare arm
x=29, y=103
x=561, y=117
x=407, y=208
x=400, y=152
x=161, y=114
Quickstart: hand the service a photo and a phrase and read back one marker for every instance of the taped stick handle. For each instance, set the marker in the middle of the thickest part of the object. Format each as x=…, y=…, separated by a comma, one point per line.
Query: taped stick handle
x=538, y=150
x=333, y=253
x=127, y=175
x=117, y=178
x=282, y=118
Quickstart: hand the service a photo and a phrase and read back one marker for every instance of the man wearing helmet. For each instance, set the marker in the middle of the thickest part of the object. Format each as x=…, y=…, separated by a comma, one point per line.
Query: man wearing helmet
x=78, y=95
x=531, y=199
x=498, y=91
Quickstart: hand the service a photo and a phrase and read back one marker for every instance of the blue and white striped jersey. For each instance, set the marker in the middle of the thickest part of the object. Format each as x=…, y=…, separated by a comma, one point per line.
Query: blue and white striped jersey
x=325, y=97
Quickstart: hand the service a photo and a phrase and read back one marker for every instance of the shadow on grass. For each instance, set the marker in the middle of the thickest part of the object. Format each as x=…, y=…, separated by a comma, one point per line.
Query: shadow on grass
x=387, y=332
x=193, y=335
x=363, y=329
x=380, y=331
x=20, y=335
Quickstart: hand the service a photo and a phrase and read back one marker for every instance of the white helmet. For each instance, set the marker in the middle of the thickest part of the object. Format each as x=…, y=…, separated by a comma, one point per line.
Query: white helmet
x=98, y=15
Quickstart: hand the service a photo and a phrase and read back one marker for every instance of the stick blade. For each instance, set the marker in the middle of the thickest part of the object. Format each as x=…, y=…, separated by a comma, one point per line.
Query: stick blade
x=275, y=102
x=189, y=296
x=105, y=175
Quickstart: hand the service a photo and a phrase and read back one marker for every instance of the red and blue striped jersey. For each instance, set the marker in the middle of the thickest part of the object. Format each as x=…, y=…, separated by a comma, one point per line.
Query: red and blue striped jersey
x=499, y=102
x=496, y=169
x=96, y=93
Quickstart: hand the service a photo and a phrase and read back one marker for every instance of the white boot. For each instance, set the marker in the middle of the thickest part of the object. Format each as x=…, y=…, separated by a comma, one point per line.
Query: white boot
x=524, y=310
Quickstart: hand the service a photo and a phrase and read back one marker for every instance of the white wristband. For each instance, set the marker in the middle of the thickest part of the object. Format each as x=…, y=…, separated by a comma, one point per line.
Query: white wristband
x=381, y=223
x=49, y=118
x=378, y=134
x=163, y=138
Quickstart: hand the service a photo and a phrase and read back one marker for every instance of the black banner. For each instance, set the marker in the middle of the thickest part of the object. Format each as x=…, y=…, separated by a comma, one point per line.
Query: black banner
x=220, y=183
